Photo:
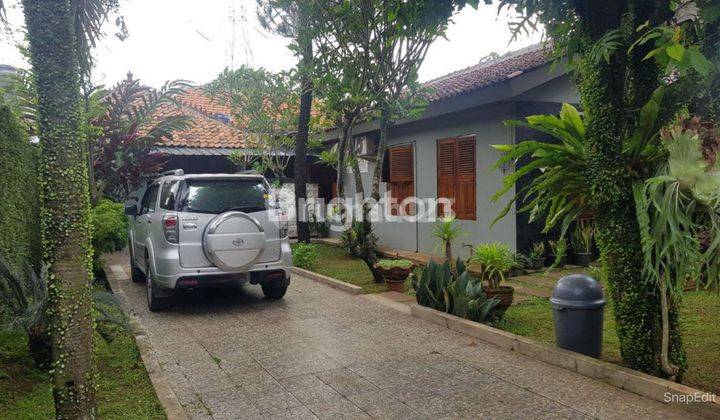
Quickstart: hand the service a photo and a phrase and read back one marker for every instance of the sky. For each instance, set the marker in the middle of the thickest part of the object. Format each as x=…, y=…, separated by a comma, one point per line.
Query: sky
x=195, y=40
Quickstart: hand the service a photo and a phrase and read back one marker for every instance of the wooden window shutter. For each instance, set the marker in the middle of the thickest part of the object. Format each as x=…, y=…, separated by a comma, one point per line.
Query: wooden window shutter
x=445, y=171
x=465, y=178
x=402, y=176
x=401, y=164
x=456, y=175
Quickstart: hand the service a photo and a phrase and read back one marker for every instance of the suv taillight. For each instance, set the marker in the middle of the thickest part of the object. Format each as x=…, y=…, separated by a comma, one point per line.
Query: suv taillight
x=170, y=228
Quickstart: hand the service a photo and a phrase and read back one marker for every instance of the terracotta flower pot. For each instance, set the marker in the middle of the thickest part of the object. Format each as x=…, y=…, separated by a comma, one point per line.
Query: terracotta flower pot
x=395, y=277
x=502, y=293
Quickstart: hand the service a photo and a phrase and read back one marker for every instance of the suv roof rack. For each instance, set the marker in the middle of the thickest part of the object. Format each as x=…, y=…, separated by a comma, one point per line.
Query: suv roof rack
x=176, y=172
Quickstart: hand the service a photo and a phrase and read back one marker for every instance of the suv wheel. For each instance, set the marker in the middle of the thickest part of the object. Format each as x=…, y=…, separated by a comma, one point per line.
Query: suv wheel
x=273, y=291
x=155, y=303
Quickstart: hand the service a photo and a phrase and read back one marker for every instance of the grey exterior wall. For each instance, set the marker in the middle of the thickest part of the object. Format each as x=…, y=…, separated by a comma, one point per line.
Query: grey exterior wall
x=486, y=124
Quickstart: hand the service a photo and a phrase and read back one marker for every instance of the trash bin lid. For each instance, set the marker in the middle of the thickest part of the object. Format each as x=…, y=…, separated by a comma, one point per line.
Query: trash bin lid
x=578, y=291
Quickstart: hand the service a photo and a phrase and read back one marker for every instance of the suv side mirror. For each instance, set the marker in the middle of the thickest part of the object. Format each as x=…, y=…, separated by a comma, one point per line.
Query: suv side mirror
x=131, y=210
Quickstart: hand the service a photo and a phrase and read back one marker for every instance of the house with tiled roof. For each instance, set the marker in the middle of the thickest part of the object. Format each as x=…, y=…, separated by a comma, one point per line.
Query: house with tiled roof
x=205, y=146
x=446, y=152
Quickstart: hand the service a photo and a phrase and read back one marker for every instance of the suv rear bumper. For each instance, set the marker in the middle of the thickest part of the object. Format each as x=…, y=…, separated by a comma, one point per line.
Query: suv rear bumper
x=207, y=276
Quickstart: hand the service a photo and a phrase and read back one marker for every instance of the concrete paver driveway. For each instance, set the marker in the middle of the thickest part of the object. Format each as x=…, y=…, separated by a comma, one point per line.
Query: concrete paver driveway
x=321, y=353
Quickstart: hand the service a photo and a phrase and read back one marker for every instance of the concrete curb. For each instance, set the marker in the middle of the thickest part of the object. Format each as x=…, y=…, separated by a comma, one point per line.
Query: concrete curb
x=172, y=407
x=329, y=281
x=639, y=383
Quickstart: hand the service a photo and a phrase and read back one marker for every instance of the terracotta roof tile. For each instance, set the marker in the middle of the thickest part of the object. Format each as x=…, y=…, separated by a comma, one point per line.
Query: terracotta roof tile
x=211, y=126
x=488, y=73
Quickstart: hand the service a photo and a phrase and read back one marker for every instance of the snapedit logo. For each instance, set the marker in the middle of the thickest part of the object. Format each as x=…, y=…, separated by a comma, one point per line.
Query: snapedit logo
x=696, y=397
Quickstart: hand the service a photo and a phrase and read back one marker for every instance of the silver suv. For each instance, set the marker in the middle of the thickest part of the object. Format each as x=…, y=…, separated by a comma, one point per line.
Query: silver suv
x=193, y=231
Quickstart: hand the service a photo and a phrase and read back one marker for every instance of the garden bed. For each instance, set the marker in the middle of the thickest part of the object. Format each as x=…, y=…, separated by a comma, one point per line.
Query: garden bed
x=335, y=262
x=700, y=320
x=124, y=389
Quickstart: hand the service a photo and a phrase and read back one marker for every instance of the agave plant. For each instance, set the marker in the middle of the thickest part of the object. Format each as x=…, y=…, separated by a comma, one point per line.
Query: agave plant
x=679, y=215
x=441, y=289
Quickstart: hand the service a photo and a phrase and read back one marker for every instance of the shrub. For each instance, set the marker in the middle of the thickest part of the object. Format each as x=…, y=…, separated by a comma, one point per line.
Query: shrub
x=388, y=263
x=305, y=255
x=495, y=261
x=110, y=229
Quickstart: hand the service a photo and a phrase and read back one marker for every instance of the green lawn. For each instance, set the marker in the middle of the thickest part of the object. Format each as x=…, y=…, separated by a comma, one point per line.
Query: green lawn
x=124, y=388
x=700, y=320
x=335, y=262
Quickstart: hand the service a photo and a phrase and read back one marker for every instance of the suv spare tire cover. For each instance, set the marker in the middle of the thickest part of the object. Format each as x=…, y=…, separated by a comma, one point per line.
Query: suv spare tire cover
x=233, y=240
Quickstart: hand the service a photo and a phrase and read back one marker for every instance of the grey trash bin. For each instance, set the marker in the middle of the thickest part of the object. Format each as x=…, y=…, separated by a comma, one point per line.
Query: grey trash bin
x=578, y=303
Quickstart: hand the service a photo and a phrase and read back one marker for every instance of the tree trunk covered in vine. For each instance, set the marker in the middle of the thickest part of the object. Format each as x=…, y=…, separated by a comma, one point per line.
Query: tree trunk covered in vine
x=65, y=205
x=611, y=93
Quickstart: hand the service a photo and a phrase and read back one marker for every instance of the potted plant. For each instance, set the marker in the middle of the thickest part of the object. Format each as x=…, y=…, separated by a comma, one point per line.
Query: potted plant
x=395, y=272
x=520, y=263
x=495, y=261
x=582, y=242
x=559, y=252
x=537, y=256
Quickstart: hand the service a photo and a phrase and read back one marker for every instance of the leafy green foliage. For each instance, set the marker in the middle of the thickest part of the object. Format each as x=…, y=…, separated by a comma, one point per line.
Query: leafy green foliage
x=582, y=238
x=679, y=214
x=446, y=230
x=495, y=261
x=391, y=263
x=538, y=250
x=559, y=250
x=109, y=229
x=19, y=209
x=305, y=255
x=23, y=296
x=126, y=131
x=266, y=106
x=560, y=192
x=356, y=242
x=453, y=291
x=673, y=49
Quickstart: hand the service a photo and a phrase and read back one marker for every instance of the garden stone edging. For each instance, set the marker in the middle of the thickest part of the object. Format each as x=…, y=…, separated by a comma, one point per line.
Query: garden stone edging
x=637, y=382
x=168, y=400
x=329, y=281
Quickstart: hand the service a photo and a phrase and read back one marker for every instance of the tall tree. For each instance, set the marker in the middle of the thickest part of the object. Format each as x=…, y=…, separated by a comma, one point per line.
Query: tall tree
x=388, y=40
x=622, y=56
x=293, y=19
x=65, y=204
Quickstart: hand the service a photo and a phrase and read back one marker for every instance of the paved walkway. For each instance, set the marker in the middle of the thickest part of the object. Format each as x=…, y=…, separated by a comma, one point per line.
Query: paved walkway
x=321, y=353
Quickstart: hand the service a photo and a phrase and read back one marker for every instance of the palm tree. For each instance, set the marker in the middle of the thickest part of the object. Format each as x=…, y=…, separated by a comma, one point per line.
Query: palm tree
x=61, y=34
x=446, y=230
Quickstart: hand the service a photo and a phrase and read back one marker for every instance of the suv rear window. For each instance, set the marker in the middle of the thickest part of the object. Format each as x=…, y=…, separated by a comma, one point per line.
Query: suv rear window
x=220, y=195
